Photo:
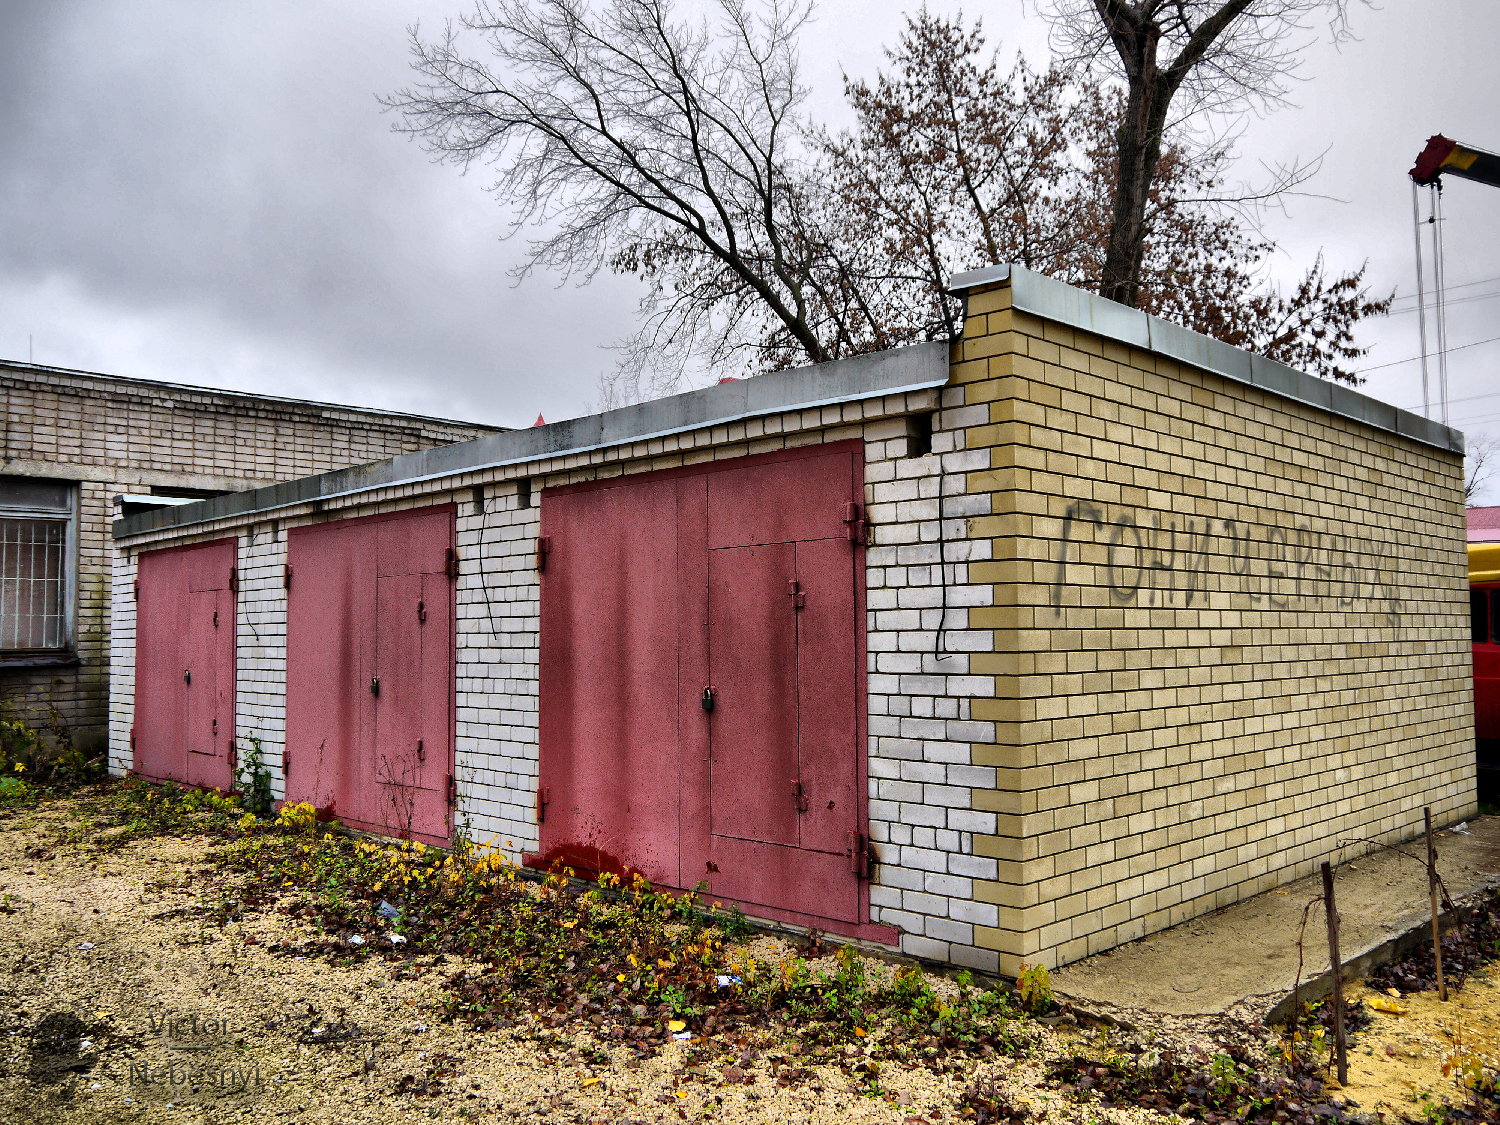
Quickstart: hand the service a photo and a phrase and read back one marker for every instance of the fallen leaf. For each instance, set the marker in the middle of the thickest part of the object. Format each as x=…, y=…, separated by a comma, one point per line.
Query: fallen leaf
x=1396, y=992
x=860, y=1033
x=590, y=1082
x=1380, y=1004
x=675, y=1025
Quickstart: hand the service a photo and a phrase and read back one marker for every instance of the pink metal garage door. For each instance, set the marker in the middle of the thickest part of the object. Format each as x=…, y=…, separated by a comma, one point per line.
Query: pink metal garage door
x=743, y=582
x=185, y=661
x=370, y=663
x=609, y=681
x=783, y=658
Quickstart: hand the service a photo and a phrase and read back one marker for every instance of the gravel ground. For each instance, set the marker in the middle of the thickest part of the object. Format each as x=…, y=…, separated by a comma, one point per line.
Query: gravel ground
x=118, y=1004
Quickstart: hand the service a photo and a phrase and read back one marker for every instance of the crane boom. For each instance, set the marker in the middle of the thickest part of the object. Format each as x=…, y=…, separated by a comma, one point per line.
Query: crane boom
x=1442, y=156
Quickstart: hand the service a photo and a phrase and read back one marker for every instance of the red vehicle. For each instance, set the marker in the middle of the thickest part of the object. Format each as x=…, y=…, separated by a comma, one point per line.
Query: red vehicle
x=1484, y=613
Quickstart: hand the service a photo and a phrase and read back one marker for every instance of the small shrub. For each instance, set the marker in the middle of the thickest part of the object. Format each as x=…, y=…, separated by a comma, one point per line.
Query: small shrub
x=301, y=817
x=1034, y=984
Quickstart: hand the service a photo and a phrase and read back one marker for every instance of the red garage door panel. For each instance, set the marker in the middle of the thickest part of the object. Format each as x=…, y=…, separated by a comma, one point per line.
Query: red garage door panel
x=609, y=692
x=753, y=669
x=743, y=581
x=370, y=664
x=329, y=708
x=828, y=700
x=185, y=638
x=780, y=501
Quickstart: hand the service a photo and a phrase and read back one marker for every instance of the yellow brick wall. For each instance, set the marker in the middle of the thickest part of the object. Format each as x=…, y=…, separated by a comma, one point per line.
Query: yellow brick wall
x=1231, y=632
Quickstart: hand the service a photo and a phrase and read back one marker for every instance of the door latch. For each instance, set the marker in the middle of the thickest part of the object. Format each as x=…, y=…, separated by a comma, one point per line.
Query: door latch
x=374, y=685
x=421, y=754
x=797, y=594
x=216, y=619
x=421, y=611
x=708, y=699
x=187, y=675
x=216, y=725
x=799, y=798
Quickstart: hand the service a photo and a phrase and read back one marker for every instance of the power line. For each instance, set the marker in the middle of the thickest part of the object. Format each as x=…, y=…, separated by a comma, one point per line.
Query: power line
x=1414, y=358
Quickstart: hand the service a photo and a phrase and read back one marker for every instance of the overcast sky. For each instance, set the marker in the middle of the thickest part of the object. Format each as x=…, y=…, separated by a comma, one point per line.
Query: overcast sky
x=209, y=193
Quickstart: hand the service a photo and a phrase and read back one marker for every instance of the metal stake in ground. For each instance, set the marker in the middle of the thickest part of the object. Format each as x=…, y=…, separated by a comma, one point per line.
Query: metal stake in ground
x=1335, y=966
x=1432, y=889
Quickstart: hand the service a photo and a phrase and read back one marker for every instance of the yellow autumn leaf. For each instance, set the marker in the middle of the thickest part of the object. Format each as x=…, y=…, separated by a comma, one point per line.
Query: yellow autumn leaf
x=676, y=1025
x=620, y=977
x=682, y=1093
x=589, y=1082
x=860, y=1032
x=1381, y=1004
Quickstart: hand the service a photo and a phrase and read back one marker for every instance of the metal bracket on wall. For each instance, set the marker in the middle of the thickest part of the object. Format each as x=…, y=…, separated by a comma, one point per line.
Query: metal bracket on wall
x=796, y=593
x=234, y=580
x=543, y=546
x=451, y=569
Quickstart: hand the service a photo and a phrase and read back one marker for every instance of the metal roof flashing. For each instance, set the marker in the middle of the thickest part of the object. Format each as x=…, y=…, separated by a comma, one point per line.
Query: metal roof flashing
x=1057, y=301
x=914, y=368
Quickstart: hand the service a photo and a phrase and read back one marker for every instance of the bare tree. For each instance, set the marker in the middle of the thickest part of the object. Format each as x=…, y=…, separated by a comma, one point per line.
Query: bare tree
x=646, y=143
x=1218, y=54
x=1481, y=458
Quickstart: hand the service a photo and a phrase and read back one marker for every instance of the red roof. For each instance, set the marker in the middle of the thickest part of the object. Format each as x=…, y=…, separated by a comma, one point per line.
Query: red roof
x=1484, y=525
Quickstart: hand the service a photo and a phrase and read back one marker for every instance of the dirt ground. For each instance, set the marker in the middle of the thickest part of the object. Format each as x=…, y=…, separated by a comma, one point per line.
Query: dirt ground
x=118, y=1004
x=1396, y=1064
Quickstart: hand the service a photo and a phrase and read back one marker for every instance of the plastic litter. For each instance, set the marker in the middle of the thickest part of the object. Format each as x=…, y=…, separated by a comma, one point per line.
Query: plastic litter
x=386, y=910
x=1461, y=829
x=683, y=1035
x=355, y=939
x=87, y=945
x=395, y=939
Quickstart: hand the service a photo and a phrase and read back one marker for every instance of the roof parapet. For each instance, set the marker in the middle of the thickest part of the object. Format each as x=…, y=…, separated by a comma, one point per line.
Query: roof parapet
x=1042, y=296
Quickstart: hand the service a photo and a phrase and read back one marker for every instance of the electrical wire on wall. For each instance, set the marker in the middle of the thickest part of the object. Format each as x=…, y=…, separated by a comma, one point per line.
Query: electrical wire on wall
x=484, y=528
x=937, y=644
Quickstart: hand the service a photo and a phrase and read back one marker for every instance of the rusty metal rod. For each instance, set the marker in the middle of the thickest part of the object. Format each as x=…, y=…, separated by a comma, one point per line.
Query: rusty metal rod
x=1335, y=965
x=1432, y=884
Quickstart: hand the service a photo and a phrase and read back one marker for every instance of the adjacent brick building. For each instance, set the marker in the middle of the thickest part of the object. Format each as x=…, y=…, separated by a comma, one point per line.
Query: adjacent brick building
x=1149, y=623
x=81, y=448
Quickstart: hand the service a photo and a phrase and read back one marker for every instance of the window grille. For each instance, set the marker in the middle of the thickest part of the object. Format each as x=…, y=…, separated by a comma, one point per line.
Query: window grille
x=35, y=542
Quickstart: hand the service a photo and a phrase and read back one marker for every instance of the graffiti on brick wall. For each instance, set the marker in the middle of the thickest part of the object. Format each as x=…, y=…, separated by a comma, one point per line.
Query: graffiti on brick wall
x=1173, y=561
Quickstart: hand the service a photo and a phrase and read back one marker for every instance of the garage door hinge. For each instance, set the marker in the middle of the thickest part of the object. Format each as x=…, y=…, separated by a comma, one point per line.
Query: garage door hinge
x=286, y=577
x=799, y=798
x=854, y=526
x=132, y=739
x=858, y=854
x=234, y=580
x=452, y=791
x=137, y=591
x=796, y=593
x=543, y=798
x=452, y=565
x=286, y=763
x=543, y=546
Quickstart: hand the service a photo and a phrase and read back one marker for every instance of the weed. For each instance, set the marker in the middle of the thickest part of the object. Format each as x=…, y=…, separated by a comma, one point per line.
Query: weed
x=1034, y=984
x=253, y=779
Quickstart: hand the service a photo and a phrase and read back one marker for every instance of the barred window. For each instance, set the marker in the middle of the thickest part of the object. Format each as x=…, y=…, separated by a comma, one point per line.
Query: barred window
x=36, y=524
